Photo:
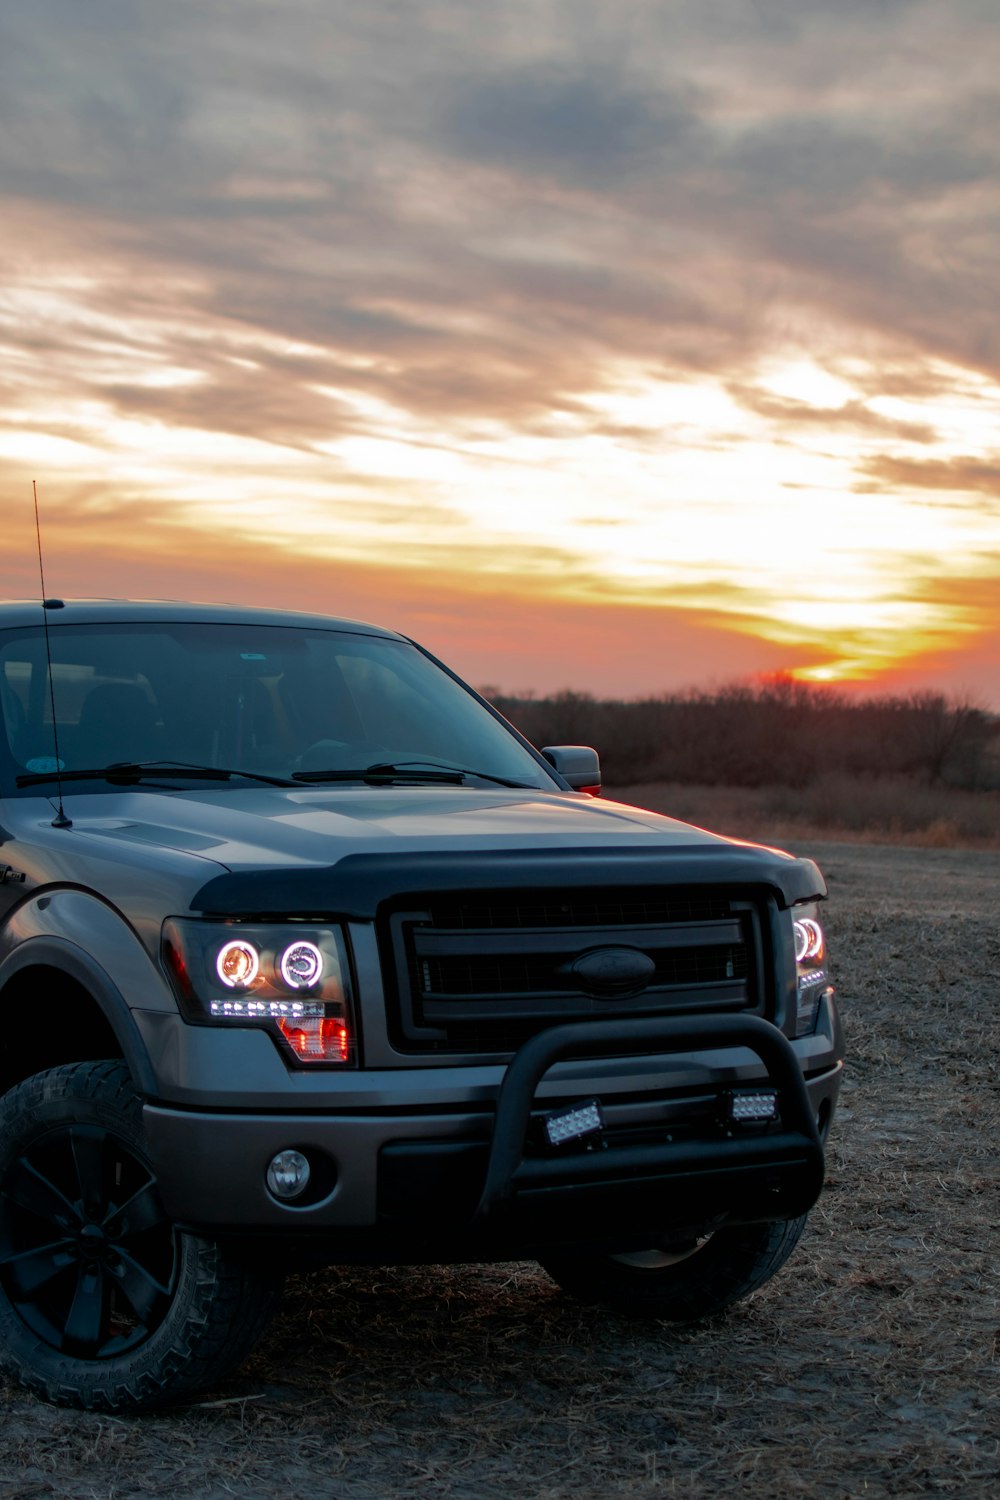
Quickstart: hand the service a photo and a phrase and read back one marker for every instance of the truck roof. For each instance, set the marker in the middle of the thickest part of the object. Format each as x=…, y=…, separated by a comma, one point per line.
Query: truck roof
x=22, y=612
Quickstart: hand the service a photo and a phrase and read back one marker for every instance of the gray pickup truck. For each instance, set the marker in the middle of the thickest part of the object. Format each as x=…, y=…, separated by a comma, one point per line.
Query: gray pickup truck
x=307, y=957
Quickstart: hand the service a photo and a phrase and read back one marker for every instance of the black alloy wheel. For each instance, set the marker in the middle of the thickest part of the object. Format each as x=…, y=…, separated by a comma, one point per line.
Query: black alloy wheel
x=87, y=1258
x=104, y=1303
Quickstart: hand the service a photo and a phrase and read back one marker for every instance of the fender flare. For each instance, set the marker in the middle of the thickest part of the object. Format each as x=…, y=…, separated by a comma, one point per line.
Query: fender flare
x=58, y=953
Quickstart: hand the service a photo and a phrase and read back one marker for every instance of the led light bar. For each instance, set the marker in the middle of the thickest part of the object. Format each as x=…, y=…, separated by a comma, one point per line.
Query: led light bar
x=753, y=1108
x=574, y=1122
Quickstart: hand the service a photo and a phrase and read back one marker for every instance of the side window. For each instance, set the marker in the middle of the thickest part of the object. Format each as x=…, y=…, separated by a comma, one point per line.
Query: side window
x=27, y=711
x=14, y=686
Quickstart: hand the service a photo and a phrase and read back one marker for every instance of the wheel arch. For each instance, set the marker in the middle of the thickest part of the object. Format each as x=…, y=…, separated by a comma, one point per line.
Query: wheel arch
x=84, y=1015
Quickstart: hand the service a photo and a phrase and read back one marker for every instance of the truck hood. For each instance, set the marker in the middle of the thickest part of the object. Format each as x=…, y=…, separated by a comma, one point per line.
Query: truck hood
x=346, y=848
x=245, y=829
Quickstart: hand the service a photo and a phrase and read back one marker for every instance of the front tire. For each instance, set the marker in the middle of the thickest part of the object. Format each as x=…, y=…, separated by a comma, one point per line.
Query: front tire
x=104, y=1303
x=683, y=1281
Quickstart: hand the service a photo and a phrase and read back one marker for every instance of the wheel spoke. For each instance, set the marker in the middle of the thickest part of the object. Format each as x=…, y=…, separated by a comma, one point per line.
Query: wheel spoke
x=141, y=1212
x=88, y=1144
x=32, y=1269
x=26, y=1187
x=140, y=1289
x=84, y=1325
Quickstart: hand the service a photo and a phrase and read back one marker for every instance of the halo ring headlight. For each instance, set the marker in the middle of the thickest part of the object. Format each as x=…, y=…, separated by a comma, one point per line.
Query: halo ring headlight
x=301, y=965
x=808, y=939
x=237, y=964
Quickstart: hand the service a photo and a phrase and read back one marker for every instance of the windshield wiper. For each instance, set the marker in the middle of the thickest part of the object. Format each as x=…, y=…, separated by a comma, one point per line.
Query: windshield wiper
x=382, y=775
x=385, y=773
x=126, y=772
x=465, y=771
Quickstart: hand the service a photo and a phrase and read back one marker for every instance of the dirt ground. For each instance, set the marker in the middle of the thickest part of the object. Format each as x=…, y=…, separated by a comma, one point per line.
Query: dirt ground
x=869, y=1366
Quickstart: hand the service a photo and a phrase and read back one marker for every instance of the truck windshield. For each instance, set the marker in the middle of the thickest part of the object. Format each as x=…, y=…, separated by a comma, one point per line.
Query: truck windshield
x=279, y=701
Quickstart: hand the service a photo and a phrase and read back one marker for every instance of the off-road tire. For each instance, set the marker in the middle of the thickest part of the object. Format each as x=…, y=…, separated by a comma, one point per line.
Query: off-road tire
x=104, y=1304
x=680, y=1284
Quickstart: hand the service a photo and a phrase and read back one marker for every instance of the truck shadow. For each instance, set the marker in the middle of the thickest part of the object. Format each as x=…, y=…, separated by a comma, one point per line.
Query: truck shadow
x=400, y=1334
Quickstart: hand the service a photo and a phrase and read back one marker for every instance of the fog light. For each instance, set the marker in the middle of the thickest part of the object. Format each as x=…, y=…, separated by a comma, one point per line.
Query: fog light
x=288, y=1175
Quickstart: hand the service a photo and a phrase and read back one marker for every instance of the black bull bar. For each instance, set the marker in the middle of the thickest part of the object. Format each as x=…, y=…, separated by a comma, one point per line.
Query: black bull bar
x=775, y=1174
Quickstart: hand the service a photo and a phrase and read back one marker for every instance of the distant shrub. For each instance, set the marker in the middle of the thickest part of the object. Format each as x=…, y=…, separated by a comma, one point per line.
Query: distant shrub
x=776, y=732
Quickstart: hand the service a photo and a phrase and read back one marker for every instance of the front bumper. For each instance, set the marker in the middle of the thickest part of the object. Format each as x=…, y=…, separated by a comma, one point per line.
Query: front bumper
x=462, y=1181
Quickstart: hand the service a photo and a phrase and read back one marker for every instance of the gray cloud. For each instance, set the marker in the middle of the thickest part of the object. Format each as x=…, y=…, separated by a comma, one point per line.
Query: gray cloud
x=492, y=202
x=830, y=162
x=586, y=129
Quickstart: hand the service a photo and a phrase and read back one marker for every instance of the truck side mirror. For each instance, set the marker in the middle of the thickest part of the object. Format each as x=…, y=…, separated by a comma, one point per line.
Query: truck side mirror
x=577, y=764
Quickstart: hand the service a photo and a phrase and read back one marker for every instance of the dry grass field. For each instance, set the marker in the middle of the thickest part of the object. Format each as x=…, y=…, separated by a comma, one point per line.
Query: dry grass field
x=859, y=809
x=869, y=1367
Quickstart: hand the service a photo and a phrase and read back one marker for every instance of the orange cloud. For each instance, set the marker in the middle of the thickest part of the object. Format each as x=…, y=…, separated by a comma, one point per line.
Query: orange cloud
x=506, y=631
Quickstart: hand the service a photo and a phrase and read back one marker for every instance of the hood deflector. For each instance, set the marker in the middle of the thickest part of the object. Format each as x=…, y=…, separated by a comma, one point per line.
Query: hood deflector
x=357, y=885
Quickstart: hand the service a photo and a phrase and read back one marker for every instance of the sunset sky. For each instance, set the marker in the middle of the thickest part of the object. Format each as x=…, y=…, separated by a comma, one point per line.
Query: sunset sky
x=615, y=345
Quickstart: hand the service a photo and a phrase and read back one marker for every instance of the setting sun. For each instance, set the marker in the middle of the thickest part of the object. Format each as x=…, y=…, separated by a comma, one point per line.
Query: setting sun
x=709, y=396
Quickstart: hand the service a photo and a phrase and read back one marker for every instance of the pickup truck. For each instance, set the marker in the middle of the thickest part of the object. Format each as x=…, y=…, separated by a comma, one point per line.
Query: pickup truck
x=308, y=958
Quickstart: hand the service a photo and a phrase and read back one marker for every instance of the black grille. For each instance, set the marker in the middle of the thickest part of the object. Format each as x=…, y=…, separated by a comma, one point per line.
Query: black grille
x=483, y=972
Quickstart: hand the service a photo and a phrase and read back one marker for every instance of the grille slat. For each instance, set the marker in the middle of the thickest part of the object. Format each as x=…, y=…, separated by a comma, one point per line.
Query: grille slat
x=534, y=940
x=577, y=909
x=509, y=974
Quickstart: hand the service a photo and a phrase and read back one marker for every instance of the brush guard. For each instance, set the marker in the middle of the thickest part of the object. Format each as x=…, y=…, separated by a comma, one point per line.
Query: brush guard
x=760, y=1176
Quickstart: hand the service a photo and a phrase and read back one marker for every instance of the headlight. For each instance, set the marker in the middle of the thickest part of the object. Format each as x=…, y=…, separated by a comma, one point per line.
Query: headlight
x=237, y=964
x=291, y=979
x=812, y=976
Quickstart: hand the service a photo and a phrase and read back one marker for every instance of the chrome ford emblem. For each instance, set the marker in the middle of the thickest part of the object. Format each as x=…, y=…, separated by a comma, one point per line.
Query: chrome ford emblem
x=613, y=973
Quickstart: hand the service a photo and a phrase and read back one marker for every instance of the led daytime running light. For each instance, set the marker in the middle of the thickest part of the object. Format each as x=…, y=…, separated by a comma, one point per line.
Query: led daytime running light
x=267, y=1010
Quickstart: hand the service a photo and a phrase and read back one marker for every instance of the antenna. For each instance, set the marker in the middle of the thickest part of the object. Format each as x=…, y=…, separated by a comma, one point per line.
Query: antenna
x=60, y=820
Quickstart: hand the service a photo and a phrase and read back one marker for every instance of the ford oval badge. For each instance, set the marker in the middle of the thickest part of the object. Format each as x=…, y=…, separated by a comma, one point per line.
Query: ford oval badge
x=613, y=973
